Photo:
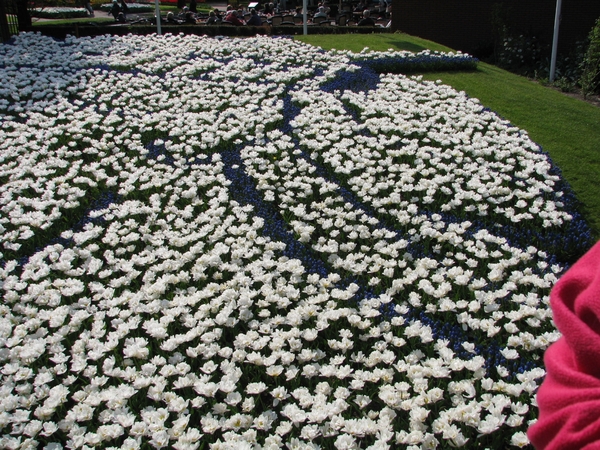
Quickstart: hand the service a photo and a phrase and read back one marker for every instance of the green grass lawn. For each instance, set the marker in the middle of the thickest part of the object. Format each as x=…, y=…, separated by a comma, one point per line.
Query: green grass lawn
x=567, y=128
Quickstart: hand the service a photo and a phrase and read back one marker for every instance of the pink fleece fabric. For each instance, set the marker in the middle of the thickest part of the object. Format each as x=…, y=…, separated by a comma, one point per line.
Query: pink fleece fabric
x=569, y=397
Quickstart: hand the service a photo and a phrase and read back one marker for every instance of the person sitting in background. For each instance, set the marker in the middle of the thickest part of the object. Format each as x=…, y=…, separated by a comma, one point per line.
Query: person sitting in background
x=326, y=8
x=269, y=9
x=254, y=20
x=367, y=20
x=172, y=19
x=227, y=13
x=182, y=13
x=212, y=18
x=190, y=17
x=321, y=13
x=232, y=17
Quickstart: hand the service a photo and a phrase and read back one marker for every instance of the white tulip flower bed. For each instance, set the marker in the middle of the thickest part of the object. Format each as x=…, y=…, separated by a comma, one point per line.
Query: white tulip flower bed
x=254, y=243
x=59, y=12
x=63, y=12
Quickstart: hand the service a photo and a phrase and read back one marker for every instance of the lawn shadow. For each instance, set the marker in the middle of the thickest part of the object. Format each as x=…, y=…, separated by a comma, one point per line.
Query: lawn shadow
x=402, y=44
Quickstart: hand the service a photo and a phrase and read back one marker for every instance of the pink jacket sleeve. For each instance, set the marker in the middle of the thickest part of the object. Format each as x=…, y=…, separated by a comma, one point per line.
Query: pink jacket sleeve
x=569, y=397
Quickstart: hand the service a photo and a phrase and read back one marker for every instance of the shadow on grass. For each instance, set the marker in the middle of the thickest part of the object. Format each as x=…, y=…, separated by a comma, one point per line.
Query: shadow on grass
x=406, y=45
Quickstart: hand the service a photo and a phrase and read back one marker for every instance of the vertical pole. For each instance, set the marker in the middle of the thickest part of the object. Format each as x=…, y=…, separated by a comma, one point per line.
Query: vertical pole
x=157, y=9
x=555, y=40
x=305, y=16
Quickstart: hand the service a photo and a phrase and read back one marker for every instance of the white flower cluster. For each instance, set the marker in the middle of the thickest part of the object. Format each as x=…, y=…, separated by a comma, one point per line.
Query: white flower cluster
x=58, y=12
x=61, y=12
x=200, y=245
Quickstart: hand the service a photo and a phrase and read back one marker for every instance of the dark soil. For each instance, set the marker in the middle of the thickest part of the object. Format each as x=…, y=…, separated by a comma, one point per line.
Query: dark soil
x=591, y=99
